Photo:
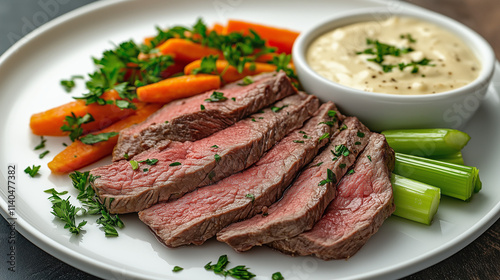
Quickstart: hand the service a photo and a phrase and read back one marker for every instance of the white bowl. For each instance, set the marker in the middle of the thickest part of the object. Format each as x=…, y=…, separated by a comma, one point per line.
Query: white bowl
x=381, y=111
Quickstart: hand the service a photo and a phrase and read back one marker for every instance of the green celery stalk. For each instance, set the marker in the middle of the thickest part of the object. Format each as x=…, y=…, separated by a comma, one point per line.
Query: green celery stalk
x=415, y=200
x=458, y=181
x=426, y=142
x=455, y=158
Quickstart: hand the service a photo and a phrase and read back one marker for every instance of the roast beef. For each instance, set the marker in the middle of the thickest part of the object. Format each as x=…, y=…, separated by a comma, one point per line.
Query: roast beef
x=307, y=198
x=183, y=120
x=364, y=200
x=183, y=166
x=199, y=215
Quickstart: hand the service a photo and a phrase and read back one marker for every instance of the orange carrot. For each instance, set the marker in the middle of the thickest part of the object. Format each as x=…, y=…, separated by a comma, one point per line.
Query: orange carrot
x=280, y=38
x=78, y=155
x=186, y=50
x=177, y=87
x=218, y=28
x=49, y=122
x=229, y=73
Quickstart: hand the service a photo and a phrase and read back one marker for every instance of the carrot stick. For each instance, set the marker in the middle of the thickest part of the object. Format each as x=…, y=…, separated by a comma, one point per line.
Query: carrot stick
x=78, y=155
x=186, y=50
x=49, y=122
x=230, y=73
x=177, y=87
x=280, y=38
x=218, y=28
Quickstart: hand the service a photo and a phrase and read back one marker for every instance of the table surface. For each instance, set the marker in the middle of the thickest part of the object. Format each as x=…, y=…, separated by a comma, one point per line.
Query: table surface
x=475, y=261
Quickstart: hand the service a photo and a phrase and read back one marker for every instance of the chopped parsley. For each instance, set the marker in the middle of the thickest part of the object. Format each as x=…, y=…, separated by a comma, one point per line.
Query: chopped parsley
x=343, y=127
x=298, y=141
x=214, y=146
x=357, y=143
x=351, y=171
x=42, y=155
x=238, y=272
x=148, y=161
x=330, y=178
x=68, y=85
x=42, y=143
x=409, y=37
x=90, y=139
x=380, y=50
x=33, y=170
x=175, y=164
x=277, y=109
x=246, y=81
x=202, y=107
x=134, y=164
x=369, y=157
x=340, y=150
x=216, y=96
x=360, y=134
x=217, y=158
x=251, y=196
x=342, y=165
x=324, y=136
x=177, y=268
x=277, y=276
x=73, y=125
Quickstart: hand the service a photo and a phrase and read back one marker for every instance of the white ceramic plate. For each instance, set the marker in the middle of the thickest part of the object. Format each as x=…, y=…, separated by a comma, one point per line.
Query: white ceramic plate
x=31, y=71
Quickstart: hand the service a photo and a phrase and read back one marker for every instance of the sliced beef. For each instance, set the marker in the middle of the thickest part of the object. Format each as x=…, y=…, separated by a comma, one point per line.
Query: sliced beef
x=307, y=198
x=183, y=120
x=184, y=166
x=199, y=215
x=364, y=200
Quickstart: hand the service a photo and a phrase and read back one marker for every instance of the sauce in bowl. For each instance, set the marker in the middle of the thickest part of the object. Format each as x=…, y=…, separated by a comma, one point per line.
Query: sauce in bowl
x=400, y=55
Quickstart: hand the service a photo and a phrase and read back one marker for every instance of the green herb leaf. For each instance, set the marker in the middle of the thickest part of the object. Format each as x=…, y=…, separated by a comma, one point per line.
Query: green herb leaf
x=277, y=109
x=42, y=143
x=369, y=157
x=149, y=161
x=360, y=134
x=214, y=146
x=65, y=211
x=251, y=196
x=68, y=85
x=217, y=158
x=134, y=164
x=32, y=171
x=298, y=141
x=277, y=276
x=330, y=178
x=324, y=136
x=73, y=124
x=246, y=81
x=238, y=272
x=177, y=268
x=216, y=96
x=208, y=65
x=202, y=107
x=90, y=139
x=42, y=155
x=175, y=164
x=350, y=171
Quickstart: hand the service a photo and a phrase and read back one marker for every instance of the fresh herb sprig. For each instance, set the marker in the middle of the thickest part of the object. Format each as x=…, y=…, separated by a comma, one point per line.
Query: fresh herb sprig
x=81, y=181
x=65, y=211
x=73, y=125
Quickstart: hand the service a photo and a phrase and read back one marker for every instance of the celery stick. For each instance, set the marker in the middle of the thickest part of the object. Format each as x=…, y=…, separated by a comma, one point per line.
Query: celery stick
x=455, y=158
x=414, y=200
x=454, y=180
x=426, y=142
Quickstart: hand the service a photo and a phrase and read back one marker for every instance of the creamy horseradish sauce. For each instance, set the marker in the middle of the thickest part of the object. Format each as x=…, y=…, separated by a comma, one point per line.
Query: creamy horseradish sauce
x=398, y=56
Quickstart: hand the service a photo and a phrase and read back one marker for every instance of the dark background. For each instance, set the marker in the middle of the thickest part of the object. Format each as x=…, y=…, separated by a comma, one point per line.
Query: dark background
x=479, y=260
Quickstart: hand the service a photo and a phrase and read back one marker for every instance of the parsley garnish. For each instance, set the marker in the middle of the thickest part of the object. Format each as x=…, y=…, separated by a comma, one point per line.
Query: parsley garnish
x=340, y=150
x=202, y=107
x=324, y=136
x=238, y=272
x=216, y=96
x=277, y=109
x=380, y=50
x=134, y=164
x=81, y=181
x=68, y=85
x=298, y=141
x=214, y=146
x=177, y=268
x=217, y=157
x=342, y=165
x=246, y=81
x=277, y=276
x=32, y=171
x=126, y=156
x=42, y=143
x=73, y=124
x=149, y=161
x=208, y=65
x=175, y=164
x=90, y=139
x=351, y=171
x=65, y=211
x=42, y=155
x=282, y=62
x=330, y=178
x=343, y=127
x=360, y=134
x=251, y=196
x=409, y=37
x=369, y=157
x=357, y=143
x=329, y=123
